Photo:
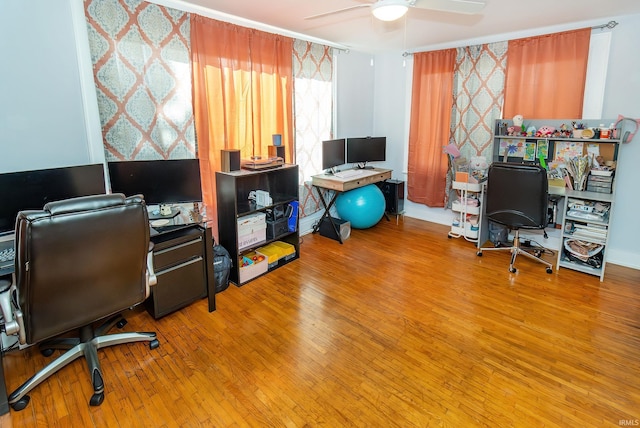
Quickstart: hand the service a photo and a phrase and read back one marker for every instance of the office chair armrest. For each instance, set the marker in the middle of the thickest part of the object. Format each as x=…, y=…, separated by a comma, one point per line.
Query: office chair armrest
x=152, y=279
x=13, y=322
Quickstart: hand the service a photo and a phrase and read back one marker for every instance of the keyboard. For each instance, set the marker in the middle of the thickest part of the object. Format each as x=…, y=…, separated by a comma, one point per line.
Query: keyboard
x=348, y=173
x=7, y=255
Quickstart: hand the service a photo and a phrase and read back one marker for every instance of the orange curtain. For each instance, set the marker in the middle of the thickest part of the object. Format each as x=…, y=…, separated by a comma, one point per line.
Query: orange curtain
x=546, y=75
x=431, y=104
x=242, y=95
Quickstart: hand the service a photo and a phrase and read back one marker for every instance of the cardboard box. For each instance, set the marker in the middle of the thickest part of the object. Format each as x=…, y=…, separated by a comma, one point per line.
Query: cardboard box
x=252, y=230
x=250, y=268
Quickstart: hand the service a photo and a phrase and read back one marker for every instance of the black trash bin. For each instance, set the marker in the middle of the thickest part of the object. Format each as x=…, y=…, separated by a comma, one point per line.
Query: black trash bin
x=222, y=265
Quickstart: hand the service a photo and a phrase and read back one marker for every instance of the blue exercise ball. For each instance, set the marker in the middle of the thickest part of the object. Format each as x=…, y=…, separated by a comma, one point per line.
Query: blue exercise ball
x=363, y=207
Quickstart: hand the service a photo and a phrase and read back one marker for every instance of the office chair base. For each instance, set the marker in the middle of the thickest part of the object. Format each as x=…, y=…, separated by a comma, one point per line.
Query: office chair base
x=86, y=345
x=516, y=250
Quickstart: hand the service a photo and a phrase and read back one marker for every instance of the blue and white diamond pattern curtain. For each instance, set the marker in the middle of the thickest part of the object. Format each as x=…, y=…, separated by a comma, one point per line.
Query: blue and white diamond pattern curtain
x=142, y=70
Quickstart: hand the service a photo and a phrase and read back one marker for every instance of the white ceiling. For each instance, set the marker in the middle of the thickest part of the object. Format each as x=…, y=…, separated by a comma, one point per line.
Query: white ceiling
x=421, y=29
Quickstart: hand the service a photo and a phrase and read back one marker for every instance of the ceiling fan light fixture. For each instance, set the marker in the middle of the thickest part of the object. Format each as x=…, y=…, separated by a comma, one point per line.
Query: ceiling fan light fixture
x=389, y=10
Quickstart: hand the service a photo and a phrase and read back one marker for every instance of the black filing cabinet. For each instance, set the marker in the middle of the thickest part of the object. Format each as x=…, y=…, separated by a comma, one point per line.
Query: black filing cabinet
x=183, y=262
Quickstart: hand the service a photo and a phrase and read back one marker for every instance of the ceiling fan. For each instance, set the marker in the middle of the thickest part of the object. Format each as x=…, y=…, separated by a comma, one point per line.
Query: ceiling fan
x=390, y=10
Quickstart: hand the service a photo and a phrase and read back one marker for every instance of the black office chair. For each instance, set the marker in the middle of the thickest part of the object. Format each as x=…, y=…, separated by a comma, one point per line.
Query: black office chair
x=79, y=262
x=517, y=197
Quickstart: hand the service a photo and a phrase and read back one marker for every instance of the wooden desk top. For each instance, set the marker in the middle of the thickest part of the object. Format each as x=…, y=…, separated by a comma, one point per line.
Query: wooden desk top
x=368, y=176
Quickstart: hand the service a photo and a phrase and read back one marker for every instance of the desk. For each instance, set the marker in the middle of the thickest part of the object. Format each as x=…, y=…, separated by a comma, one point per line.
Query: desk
x=340, y=185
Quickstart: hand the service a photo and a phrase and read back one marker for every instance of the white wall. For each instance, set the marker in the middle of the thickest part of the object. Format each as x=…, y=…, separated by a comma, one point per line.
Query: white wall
x=354, y=94
x=622, y=93
x=390, y=112
x=42, y=111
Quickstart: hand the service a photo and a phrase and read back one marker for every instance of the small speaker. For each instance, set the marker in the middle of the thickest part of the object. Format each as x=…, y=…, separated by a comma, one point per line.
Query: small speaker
x=230, y=160
x=276, y=151
x=344, y=228
x=393, y=191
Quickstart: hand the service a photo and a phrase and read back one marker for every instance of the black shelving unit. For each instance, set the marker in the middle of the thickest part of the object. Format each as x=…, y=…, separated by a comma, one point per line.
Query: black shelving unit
x=233, y=188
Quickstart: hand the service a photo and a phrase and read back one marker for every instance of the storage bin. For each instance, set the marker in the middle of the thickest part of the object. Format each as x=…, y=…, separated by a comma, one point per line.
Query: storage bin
x=252, y=230
x=287, y=251
x=250, y=268
x=469, y=187
x=471, y=230
x=277, y=250
x=271, y=253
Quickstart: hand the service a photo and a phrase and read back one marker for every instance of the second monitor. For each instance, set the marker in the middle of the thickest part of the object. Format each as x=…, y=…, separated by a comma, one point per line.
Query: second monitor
x=160, y=181
x=366, y=149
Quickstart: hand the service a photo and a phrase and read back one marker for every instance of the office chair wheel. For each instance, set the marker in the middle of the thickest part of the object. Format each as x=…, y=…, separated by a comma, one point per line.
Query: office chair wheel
x=154, y=344
x=513, y=270
x=96, y=399
x=121, y=323
x=549, y=270
x=47, y=352
x=21, y=403
x=479, y=254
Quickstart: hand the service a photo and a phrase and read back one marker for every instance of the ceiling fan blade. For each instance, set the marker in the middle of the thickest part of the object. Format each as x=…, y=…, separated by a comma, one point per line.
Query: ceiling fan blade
x=468, y=7
x=321, y=15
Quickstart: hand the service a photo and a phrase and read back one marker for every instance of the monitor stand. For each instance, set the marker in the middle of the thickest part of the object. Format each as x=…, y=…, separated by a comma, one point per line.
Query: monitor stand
x=363, y=165
x=155, y=215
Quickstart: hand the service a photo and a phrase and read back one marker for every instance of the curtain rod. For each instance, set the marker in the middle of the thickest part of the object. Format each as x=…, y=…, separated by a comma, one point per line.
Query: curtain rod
x=190, y=7
x=610, y=25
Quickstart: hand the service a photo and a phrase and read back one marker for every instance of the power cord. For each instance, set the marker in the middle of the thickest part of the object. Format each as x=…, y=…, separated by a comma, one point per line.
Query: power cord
x=536, y=247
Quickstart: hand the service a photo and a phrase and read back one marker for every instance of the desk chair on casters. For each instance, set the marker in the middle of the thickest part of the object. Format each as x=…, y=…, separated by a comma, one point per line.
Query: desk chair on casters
x=78, y=263
x=517, y=197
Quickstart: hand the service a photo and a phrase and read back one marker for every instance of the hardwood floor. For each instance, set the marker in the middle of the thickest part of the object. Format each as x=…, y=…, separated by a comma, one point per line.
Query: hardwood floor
x=400, y=326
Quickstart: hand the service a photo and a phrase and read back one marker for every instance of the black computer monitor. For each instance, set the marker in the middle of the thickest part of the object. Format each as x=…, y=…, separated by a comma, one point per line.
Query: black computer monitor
x=366, y=149
x=31, y=190
x=159, y=181
x=333, y=154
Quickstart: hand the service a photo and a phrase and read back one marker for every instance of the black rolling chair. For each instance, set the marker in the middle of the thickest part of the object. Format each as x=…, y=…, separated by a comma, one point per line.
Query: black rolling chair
x=78, y=263
x=517, y=197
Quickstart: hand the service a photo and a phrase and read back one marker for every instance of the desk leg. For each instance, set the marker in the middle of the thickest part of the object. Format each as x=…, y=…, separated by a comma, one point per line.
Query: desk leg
x=327, y=214
x=4, y=403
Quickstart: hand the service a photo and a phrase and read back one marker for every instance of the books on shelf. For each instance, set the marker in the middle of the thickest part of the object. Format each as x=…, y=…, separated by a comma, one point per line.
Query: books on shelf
x=589, y=231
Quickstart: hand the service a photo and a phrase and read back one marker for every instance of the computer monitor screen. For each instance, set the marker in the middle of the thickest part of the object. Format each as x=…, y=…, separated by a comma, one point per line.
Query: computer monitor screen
x=333, y=153
x=159, y=181
x=31, y=190
x=367, y=149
